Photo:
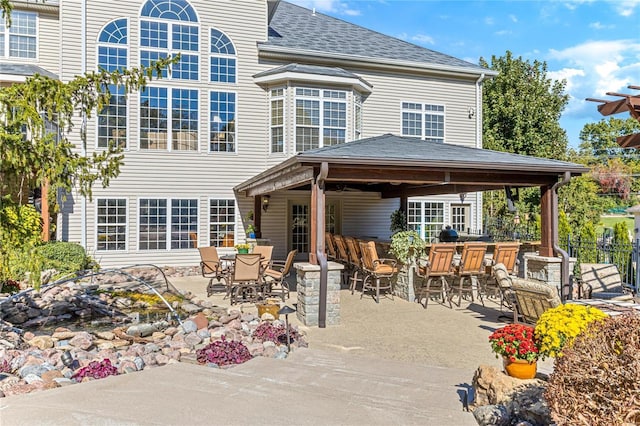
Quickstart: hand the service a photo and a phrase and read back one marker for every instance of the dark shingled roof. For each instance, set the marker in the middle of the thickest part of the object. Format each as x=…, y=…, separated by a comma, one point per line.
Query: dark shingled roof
x=24, y=69
x=297, y=28
x=389, y=148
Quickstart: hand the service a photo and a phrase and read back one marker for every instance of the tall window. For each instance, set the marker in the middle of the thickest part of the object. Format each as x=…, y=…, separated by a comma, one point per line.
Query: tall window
x=222, y=219
x=111, y=228
x=112, y=56
x=277, y=120
x=157, y=130
x=460, y=217
x=160, y=227
x=426, y=217
x=357, y=120
x=425, y=121
x=321, y=118
x=222, y=122
x=20, y=40
x=160, y=36
x=222, y=59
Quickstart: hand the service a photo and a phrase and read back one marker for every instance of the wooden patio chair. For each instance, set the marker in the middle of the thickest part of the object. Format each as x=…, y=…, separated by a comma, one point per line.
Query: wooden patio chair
x=603, y=281
x=331, y=246
x=506, y=254
x=434, y=272
x=343, y=256
x=470, y=268
x=355, y=260
x=214, y=269
x=376, y=270
x=276, y=275
x=246, y=279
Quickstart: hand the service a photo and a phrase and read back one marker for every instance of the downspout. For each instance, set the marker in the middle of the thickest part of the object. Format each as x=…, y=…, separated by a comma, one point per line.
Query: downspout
x=478, y=116
x=320, y=254
x=565, y=273
x=83, y=128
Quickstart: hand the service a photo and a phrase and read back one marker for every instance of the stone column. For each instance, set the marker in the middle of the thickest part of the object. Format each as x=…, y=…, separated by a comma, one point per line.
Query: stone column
x=405, y=283
x=308, y=289
x=546, y=269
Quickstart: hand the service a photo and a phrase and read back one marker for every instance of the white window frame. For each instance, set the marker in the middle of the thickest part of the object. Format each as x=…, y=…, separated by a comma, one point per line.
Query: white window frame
x=357, y=116
x=126, y=224
x=467, y=217
x=169, y=51
x=421, y=225
x=6, y=32
x=211, y=223
x=170, y=140
x=235, y=122
x=321, y=99
x=274, y=98
x=126, y=46
x=221, y=55
x=425, y=109
x=167, y=237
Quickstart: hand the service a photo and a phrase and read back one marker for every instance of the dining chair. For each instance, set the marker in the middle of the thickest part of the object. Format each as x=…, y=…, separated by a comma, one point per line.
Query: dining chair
x=276, y=276
x=355, y=260
x=505, y=253
x=376, y=270
x=213, y=268
x=266, y=253
x=331, y=246
x=470, y=268
x=434, y=272
x=343, y=256
x=246, y=279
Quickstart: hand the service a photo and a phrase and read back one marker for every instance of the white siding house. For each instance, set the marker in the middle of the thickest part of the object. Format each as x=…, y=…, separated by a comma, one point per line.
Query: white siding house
x=258, y=81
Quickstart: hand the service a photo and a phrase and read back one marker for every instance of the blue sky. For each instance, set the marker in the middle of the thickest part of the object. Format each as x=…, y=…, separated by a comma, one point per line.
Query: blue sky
x=594, y=45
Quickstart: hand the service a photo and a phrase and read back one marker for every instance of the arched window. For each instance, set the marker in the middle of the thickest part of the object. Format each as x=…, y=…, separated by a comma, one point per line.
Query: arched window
x=223, y=58
x=112, y=56
x=160, y=37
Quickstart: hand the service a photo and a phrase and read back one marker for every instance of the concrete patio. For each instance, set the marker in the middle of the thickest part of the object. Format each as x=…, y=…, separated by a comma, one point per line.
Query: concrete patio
x=387, y=363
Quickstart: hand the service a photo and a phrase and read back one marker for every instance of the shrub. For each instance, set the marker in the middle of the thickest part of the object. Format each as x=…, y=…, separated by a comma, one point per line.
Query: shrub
x=9, y=286
x=557, y=327
x=223, y=352
x=64, y=257
x=96, y=370
x=406, y=245
x=5, y=366
x=597, y=381
x=266, y=331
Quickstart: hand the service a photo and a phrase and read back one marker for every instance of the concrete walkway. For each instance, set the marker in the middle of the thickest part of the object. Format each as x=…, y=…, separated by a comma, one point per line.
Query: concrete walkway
x=387, y=363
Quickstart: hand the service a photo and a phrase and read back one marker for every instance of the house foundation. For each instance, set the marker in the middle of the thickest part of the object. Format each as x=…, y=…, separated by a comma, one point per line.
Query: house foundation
x=308, y=289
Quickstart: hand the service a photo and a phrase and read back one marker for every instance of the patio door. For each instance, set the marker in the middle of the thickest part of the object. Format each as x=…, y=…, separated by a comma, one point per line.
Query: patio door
x=300, y=224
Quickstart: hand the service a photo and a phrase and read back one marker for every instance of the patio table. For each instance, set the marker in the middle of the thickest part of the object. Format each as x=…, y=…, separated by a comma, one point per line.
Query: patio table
x=609, y=307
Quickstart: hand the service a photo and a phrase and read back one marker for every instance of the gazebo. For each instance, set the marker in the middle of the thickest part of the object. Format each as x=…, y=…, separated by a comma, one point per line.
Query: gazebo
x=402, y=167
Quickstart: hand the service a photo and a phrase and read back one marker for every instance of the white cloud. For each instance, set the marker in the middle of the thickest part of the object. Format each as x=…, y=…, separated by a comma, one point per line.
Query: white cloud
x=503, y=32
x=626, y=7
x=594, y=68
x=489, y=20
x=513, y=18
x=423, y=39
x=403, y=36
x=600, y=26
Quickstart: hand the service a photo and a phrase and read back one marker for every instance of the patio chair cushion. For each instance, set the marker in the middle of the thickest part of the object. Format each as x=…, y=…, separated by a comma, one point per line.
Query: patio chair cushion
x=533, y=298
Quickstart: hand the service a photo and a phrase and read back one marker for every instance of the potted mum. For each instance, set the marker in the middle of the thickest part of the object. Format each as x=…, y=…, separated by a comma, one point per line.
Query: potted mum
x=243, y=248
x=517, y=345
x=558, y=327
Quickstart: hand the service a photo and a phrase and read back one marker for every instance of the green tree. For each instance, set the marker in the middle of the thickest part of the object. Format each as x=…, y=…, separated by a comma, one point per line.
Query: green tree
x=522, y=107
x=622, y=248
x=587, y=249
x=564, y=229
x=598, y=140
x=580, y=201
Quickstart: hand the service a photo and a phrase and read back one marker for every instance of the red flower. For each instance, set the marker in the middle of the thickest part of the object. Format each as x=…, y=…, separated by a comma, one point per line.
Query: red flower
x=516, y=341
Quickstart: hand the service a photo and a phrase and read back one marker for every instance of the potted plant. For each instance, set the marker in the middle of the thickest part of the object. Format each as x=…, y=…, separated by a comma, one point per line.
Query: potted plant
x=518, y=347
x=251, y=231
x=243, y=248
x=558, y=327
x=407, y=246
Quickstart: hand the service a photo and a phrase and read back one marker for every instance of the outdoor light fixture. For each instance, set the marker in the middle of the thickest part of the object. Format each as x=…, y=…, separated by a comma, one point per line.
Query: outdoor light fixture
x=265, y=202
x=69, y=361
x=286, y=310
x=463, y=195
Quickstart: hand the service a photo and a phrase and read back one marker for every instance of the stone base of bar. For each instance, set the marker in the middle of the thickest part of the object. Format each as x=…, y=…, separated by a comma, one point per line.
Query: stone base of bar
x=405, y=284
x=547, y=269
x=308, y=289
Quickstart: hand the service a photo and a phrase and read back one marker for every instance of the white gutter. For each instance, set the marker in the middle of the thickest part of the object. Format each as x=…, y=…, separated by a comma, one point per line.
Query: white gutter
x=83, y=128
x=380, y=62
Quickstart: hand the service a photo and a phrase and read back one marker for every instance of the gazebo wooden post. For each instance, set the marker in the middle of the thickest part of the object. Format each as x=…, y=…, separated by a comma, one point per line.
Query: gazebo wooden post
x=548, y=226
x=257, y=215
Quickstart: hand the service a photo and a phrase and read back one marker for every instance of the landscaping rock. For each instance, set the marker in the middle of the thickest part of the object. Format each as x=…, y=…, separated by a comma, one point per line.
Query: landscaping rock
x=42, y=342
